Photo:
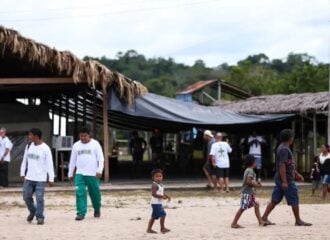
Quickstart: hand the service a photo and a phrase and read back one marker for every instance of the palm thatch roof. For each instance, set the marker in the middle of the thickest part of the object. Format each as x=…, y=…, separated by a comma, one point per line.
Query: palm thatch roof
x=302, y=103
x=14, y=47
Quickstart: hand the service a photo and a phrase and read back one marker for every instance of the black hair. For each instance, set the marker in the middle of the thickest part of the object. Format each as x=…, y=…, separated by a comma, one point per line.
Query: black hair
x=155, y=171
x=84, y=129
x=249, y=160
x=316, y=159
x=36, y=132
x=286, y=135
x=327, y=147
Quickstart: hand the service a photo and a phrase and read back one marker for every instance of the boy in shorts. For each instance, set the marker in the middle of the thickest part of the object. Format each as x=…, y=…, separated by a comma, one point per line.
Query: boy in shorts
x=158, y=195
x=248, y=193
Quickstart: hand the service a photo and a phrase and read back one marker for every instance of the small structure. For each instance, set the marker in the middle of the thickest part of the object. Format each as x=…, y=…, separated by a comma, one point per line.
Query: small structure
x=217, y=87
x=62, y=83
x=310, y=125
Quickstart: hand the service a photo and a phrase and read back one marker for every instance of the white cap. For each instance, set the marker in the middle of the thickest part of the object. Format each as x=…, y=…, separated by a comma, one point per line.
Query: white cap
x=208, y=133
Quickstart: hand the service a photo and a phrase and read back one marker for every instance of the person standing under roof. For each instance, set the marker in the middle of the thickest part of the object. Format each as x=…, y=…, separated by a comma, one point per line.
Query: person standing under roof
x=5, y=148
x=208, y=168
x=255, y=143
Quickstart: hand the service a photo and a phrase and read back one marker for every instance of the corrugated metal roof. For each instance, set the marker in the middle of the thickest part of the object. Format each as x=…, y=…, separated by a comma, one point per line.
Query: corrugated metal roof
x=225, y=87
x=197, y=86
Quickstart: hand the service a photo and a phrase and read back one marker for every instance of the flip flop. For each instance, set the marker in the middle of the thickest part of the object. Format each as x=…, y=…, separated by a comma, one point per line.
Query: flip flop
x=303, y=224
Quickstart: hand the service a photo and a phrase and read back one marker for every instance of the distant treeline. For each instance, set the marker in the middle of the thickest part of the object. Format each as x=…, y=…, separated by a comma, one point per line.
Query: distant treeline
x=258, y=74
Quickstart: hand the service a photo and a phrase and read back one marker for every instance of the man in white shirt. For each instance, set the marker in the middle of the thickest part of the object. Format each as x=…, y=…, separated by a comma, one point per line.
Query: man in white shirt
x=5, y=148
x=255, y=142
x=36, y=166
x=88, y=161
x=220, y=160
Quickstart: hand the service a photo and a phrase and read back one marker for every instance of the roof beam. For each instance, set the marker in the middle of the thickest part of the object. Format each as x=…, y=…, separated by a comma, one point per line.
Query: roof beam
x=27, y=81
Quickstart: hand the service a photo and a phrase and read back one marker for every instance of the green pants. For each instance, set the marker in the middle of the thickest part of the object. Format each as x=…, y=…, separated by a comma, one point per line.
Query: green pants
x=93, y=186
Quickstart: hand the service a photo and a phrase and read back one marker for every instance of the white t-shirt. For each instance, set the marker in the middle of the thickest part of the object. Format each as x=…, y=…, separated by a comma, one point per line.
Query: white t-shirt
x=255, y=149
x=219, y=151
x=87, y=158
x=38, y=161
x=323, y=158
x=4, y=144
x=160, y=191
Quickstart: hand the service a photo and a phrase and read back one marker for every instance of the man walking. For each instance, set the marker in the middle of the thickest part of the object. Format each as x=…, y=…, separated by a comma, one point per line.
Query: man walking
x=36, y=165
x=285, y=179
x=5, y=148
x=88, y=161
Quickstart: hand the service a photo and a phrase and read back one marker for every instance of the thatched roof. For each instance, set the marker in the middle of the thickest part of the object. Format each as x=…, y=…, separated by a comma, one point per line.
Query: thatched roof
x=302, y=103
x=14, y=47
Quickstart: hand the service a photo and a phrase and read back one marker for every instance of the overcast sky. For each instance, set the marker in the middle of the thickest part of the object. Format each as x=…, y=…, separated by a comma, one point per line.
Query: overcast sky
x=215, y=31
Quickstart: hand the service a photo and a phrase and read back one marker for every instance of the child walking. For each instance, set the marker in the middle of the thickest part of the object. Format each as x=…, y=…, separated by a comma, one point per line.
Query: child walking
x=315, y=175
x=248, y=193
x=158, y=195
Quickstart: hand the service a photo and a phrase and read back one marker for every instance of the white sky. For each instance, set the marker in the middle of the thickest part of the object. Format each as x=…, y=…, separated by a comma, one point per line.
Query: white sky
x=215, y=31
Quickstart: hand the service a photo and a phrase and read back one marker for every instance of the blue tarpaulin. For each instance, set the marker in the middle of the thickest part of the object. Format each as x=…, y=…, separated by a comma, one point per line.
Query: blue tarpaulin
x=153, y=111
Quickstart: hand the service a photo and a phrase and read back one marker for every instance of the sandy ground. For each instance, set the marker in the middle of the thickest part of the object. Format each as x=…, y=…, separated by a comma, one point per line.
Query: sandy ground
x=125, y=216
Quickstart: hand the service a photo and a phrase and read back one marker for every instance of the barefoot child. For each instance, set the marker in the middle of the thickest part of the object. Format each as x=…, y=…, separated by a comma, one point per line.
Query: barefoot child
x=248, y=193
x=158, y=195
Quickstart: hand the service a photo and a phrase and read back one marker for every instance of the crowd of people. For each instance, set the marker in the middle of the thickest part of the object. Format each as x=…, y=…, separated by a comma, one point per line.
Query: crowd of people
x=217, y=163
x=87, y=164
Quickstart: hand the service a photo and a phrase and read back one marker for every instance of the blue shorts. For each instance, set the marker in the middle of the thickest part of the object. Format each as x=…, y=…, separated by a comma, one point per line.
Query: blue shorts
x=157, y=211
x=291, y=194
x=326, y=179
x=258, y=161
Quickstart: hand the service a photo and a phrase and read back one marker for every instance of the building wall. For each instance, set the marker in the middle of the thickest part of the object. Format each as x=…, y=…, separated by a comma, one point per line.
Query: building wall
x=18, y=119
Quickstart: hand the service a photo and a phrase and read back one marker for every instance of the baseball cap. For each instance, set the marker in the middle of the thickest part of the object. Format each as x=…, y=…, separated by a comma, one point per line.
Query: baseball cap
x=208, y=133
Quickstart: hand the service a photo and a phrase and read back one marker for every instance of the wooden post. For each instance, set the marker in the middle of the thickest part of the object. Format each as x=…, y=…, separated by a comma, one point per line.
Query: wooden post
x=76, y=118
x=53, y=114
x=314, y=135
x=84, y=108
x=60, y=116
x=67, y=99
x=94, y=114
x=219, y=90
x=271, y=152
x=105, y=135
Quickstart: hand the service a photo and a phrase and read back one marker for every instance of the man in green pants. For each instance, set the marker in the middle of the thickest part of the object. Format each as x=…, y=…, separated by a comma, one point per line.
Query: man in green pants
x=87, y=161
